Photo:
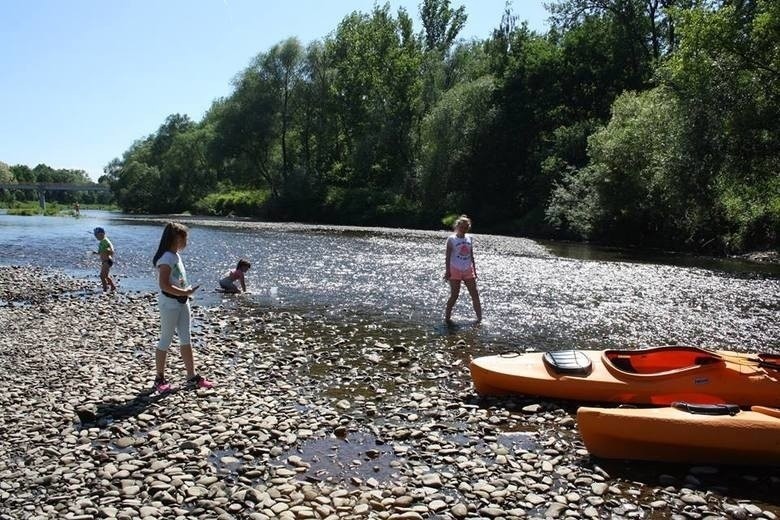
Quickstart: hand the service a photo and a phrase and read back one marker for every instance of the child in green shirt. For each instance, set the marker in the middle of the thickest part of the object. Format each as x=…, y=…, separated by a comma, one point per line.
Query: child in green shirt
x=106, y=252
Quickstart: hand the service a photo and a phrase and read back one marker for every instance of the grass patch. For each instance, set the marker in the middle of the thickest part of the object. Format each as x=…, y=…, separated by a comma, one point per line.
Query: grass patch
x=28, y=209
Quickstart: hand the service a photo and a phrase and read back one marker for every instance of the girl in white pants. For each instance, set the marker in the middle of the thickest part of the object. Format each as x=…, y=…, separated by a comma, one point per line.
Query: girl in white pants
x=174, y=303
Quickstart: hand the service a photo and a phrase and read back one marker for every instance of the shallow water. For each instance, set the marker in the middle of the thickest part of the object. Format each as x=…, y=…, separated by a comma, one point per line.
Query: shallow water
x=533, y=298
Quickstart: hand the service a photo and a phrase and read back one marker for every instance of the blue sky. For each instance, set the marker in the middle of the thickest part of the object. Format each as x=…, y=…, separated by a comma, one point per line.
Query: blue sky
x=82, y=79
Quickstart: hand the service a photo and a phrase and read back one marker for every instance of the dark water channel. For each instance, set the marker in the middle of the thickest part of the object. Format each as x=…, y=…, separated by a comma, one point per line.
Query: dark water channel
x=535, y=296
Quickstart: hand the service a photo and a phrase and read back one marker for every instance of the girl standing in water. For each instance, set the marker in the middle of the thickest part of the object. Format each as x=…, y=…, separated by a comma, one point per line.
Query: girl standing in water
x=459, y=266
x=174, y=303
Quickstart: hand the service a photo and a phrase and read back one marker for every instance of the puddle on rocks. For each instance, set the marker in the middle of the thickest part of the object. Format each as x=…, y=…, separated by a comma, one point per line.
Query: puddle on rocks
x=353, y=459
x=12, y=304
x=361, y=456
x=225, y=462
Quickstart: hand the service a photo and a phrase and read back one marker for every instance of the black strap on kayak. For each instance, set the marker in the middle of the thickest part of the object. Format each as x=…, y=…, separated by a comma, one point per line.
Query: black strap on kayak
x=571, y=362
x=707, y=409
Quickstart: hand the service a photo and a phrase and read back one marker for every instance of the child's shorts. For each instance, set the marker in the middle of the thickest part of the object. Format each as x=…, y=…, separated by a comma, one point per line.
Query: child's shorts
x=462, y=274
x=108, y=262
x=227, y=285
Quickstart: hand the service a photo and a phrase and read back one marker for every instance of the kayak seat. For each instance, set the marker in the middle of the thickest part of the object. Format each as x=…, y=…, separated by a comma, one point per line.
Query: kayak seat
x=623, y=363
x=570, y=362
x=707, y=409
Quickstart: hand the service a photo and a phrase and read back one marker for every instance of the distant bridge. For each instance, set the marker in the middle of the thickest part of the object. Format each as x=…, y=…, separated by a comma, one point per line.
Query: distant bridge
x=43, y=187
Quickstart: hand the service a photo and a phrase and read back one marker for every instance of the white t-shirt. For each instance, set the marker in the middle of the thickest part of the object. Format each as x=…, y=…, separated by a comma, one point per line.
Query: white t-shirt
x=178, y=277
x=461, y=258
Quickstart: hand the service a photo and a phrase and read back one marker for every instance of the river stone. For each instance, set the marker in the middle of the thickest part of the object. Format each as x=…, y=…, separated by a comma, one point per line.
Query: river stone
x=125, y=442
x=491, y=511
x=693, y=499
x=437, y=505
x=459, y=510
x=403, y=501
x=554, y=510
x=196, y=491
x=407, y=515
x=130, y=490
x=431, y=480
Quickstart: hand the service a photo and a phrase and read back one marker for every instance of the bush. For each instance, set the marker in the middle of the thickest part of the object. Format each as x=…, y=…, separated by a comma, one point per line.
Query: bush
x=249, y=203
x=449, y=219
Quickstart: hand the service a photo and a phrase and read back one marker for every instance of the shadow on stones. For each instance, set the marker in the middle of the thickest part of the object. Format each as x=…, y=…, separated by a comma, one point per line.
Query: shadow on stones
x=760, y=484
x=103, y=414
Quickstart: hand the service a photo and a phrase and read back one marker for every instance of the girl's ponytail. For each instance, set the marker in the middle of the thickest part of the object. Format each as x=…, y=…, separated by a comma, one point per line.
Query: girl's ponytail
x=170, y=233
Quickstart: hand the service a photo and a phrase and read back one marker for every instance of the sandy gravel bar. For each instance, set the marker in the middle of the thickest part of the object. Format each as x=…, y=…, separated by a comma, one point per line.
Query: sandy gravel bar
x=309, y=419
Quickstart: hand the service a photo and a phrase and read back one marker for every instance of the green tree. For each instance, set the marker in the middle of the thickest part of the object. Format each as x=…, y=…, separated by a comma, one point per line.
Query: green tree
x=452, y=131
x=136, y=191
x=5, y=173
x=246, y=131
x=22, y=173
x=186, y=166
x=726, y=74
x=376, y=60
x=282, y=67
x=630, y=191
x=319, y=127
x=441, y=24
x=643, y=25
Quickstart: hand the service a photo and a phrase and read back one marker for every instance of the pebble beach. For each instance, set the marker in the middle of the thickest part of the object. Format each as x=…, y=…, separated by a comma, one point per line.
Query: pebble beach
x=308, y=419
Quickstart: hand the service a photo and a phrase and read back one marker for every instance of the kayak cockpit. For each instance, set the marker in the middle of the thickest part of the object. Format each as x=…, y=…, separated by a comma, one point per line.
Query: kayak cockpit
x=659, y=360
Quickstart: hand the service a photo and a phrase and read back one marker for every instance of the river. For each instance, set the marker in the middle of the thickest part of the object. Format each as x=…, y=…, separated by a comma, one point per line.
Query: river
x=536, y=295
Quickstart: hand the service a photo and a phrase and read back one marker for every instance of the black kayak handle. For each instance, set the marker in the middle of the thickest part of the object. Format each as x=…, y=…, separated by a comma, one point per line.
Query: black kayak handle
x=707, y=409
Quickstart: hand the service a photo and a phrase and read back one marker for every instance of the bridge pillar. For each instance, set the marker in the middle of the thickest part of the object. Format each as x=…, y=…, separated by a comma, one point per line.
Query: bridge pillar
x=42, y=200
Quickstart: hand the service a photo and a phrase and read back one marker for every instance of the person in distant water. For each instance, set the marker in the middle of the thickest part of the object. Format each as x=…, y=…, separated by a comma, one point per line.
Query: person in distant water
x=76, y=209
x=228, y=281
x=460, y=267
x=106, y=252
x=174, y=303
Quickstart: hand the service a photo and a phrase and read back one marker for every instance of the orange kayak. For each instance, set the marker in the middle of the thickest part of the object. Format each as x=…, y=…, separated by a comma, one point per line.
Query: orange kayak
x=660, y=376
x=672, y=435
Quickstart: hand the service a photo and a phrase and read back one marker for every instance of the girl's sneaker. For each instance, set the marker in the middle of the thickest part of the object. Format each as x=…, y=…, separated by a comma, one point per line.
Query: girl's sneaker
x=161, y=385
x=197, y=381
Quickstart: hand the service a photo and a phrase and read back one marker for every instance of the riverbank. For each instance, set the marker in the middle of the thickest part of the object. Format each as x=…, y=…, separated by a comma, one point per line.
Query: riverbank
x=309, y=419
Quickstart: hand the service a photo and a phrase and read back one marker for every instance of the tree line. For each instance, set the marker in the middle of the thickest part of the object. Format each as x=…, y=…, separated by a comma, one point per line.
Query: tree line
x=23, y=174
x=643, y=122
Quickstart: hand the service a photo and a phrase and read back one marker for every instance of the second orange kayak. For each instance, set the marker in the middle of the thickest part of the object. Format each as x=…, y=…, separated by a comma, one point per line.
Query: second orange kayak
x=658, y=376
x=674, y=435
